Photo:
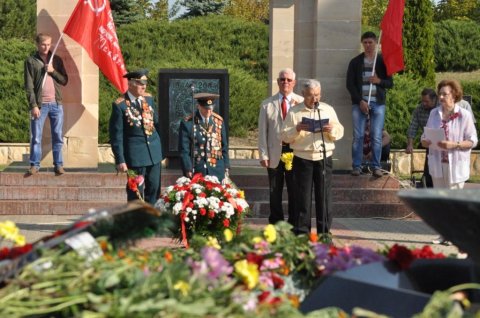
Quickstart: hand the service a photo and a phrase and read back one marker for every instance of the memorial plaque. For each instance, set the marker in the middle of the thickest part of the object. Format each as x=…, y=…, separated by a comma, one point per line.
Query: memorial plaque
x=176, y=88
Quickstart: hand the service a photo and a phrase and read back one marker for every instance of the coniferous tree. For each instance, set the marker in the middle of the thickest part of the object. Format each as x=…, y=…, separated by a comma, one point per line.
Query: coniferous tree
x=418, y=40
x=18, y=19
x=196, y=8
x=126, y=11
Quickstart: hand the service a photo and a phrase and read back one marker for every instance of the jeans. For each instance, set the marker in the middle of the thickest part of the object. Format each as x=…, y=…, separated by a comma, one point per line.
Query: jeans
x=54, y=112
x=377, y=119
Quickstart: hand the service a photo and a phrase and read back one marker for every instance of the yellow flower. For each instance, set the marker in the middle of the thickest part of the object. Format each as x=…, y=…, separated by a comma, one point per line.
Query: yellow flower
x=270, y=233
x=213, y=242
x=287, y=158
x=8, y=230
x=19, y=240
x=182, y=286
x=248, y=272
x=257, y=239
x=241, y=194
x=228, y=234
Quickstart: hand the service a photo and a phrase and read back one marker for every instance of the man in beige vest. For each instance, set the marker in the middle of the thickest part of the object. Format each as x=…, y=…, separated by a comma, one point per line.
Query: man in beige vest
x=273, y=111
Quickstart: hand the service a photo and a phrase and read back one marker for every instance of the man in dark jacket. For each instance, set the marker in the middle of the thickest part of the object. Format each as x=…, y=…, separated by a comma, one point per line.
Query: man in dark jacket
x=367, y=88
x=135, y=138
x=204, y=134
x=43, y=75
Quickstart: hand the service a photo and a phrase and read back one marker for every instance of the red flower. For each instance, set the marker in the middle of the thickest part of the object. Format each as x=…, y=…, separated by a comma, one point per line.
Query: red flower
x=202, y=195
x=132, y=184
x=211, y=214
x=226, y=222
x=426, y=252
x=203, y=211
x=263, y=296
x=401, y=255
x=277, y=281
x=254, y=259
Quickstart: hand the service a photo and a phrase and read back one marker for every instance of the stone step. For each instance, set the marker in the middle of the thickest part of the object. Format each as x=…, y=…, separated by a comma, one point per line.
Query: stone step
x=71, y=193
x=241, y=179
x=370, y=195
x=261, y=209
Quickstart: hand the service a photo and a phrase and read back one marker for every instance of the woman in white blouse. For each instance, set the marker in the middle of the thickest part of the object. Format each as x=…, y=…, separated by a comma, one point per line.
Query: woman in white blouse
x=449, y=158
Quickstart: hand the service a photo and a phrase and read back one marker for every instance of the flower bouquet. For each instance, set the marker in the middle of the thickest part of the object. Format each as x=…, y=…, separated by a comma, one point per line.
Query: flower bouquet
x=204, y=206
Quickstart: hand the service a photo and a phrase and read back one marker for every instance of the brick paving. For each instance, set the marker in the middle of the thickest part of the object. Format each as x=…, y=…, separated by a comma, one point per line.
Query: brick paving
x=373, y=233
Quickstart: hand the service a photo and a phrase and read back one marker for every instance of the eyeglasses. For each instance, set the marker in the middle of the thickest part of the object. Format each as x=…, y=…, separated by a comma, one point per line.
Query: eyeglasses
x=444, y=94
x=283, y=79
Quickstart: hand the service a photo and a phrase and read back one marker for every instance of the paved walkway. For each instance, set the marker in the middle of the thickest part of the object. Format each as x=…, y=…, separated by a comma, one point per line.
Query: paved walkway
x=374, y=233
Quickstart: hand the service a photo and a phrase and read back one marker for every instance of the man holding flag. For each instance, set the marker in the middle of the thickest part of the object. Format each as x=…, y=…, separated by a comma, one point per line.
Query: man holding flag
x=366, y=83
x=43, y=74
x=368, y=76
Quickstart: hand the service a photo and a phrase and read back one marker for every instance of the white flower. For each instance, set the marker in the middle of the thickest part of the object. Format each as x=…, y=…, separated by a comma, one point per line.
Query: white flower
x=233, y=192
x=177, y=208
x=183, y=181
x=160, y=205
x=228, y=209
x=213, y=203
x=212, y=179
x=168, y=190
x=179, y=195
x=201, y=202
x=241, y=202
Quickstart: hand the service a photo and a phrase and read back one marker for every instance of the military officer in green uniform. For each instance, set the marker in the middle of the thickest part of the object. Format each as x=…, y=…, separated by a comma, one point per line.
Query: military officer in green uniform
x=135, y=138
x=203, y=140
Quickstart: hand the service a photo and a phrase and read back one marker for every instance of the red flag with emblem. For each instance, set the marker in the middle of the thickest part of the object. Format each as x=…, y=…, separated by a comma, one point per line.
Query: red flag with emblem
x=91, y=25
x=391, y=39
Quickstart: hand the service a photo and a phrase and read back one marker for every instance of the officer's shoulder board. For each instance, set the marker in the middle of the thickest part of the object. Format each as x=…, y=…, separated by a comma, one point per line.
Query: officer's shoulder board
x=188, y=118
x=217, y=116
x=147, y=95
x=119, y=100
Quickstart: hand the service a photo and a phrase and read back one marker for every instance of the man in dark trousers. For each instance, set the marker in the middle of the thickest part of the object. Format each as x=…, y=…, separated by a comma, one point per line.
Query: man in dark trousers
x=135, y=138
x=273, y=111
x=204, y=134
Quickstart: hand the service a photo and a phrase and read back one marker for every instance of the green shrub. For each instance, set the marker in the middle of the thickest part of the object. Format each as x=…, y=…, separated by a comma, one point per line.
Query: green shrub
x=401, y=101
x=13, y=104
x=457, y=46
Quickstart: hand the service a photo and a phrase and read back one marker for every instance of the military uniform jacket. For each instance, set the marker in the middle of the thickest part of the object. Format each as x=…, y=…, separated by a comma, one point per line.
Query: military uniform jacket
x=134, y=132
x=208, y=143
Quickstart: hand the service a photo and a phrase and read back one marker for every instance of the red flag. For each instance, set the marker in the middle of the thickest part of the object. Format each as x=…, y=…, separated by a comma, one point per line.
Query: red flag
x=91, y=25
x=391, y=39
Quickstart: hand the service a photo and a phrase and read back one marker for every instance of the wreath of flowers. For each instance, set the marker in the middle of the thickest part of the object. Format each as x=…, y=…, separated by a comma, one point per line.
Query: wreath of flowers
x=204, y=206
x=135, y=118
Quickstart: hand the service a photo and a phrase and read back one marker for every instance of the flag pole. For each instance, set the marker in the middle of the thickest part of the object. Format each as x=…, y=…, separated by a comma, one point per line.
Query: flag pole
x=373, y=69
x=51, y=58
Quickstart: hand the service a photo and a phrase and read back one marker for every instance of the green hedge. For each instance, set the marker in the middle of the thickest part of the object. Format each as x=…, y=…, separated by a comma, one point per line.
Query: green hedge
x=205, y=42
x=457, y=46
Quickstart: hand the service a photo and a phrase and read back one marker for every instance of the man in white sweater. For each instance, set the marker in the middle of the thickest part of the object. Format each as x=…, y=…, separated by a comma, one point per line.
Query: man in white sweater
x=311, y=129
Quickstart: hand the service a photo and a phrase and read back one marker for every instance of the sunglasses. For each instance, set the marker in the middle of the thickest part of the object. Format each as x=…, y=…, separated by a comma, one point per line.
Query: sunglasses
x=283, y=79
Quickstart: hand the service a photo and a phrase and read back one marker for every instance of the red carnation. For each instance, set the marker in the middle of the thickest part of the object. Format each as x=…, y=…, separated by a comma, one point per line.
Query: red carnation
x=255, y=259
x=211, y=214
x=132, y=184
x=277, y=281
x=203, y=211
x=226, y=222
x=401, y=255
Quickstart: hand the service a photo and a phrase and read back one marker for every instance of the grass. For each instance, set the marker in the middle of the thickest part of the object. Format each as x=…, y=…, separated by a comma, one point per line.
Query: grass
x=459, y=76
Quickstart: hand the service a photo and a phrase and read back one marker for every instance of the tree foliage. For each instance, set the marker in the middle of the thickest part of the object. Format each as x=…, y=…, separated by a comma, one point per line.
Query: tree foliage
x=249, y=10
x=18, y=19
x=418, y=40
x=196, y=8
x=372, y=12
x=127, y=11
x=457, y=10
x=457, y=46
